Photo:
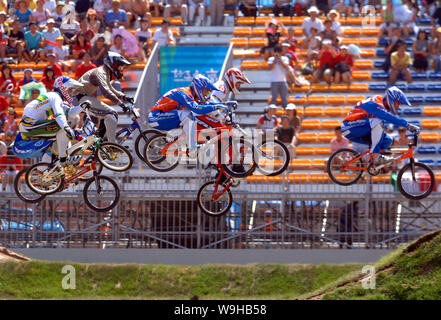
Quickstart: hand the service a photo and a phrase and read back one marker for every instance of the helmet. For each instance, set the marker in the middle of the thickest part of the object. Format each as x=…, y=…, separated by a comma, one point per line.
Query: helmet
x=67, y=87
x=115, y=63
x=232, y=77
x=394, y=94
x=198, y=84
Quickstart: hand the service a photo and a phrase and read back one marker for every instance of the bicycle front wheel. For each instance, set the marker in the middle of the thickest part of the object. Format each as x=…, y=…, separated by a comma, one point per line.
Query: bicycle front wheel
x=237, y=160
x=341, y=174
x=114, y=157
x=23, y=191
x=211, y=206
x=101, y=193
x=415, y=181
x=272, y=158
x=44, y=179
x=141, y=141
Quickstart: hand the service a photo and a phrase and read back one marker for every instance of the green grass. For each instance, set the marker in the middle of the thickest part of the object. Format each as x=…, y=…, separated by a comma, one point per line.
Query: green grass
x=42, y=280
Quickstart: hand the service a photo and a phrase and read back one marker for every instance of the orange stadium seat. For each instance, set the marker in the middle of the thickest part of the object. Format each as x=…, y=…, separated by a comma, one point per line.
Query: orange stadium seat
x=351, y=31
x=257, y=42
x=307, y=137
x=370, y=31
x=354, y=99
x=364, y=64
x=301, y=163
x=369, y=42
x=326, y=136
x=310, y=124
x=263, y=20
x=258, y=32
x=250, y=64
x=338, y=87
x=317, y=99
x=284, y=20
x=297, y=20
x=264, y=65
x=299, y=89
x=330, y=124
x=429, y=136
x=245, y=21
x=368, y=53
x=334, y=111
x=242, y=31
x=305, y=150
x=354, y=20
x=280, y=112
x=175, y=20
x=431, y=123
x=361, y=75
x=157, y=20
x=322, y=150
x=346, y=110
x=319, y=87
x=348, y=41
x=298, y=31
x=432, y=111
x=314, y=111
x=299, y=100
x=240, y=42
x=336, y=99
x=318, y=163
x=359, y=87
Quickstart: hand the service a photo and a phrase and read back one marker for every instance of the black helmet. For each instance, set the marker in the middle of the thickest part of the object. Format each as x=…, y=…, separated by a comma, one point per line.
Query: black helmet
x=115, y=63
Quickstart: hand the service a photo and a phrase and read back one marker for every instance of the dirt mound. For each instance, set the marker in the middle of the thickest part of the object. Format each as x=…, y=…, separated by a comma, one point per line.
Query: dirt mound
x=6, y=254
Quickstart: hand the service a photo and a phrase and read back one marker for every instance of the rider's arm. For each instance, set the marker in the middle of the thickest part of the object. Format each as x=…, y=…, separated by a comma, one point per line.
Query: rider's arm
x=381, y=113
x=99, y=78
x=185, y=100
x=57, y=107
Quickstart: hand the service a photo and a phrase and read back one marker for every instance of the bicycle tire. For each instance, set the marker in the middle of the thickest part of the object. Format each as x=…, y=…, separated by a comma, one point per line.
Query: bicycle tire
x=138, y=141
x=19, y=194
x=110, y=167
x=86, y=194
x=331, y=175
x=28, y=176
x=152, y=163
x=229, y=171
x=285, y=164
x=202, y=207
x=425, y=194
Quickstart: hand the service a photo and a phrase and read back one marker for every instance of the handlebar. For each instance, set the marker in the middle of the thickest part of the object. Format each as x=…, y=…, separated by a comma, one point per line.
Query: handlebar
x=414, y=143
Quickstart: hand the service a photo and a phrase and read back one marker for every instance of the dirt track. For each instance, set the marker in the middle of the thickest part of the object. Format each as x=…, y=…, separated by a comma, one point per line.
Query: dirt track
x=6, y=254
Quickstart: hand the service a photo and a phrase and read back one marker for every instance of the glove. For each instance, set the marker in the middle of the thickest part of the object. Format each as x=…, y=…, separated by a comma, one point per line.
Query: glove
x=124, y=107
x=412, y=128
x=223, y=108
x=231, y=104
x=128, y=99
x=70, y=132
x=86, y=105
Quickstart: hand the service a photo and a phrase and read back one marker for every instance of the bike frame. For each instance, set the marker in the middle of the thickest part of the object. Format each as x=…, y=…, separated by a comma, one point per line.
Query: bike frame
x=127, y=131
x=216, y=195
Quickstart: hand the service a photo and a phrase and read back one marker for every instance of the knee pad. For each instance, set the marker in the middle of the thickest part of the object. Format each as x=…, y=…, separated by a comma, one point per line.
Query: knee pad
x=112, y=116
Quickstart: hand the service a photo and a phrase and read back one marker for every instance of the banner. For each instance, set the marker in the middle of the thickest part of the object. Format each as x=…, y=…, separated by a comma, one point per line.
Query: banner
x=178, y=65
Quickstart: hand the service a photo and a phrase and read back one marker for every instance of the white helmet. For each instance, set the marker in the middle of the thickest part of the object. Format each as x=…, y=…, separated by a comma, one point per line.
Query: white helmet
x=232, y=77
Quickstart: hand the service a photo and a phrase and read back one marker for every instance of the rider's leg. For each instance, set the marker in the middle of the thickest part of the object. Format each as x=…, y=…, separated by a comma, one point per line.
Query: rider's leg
x=110, y=116
x=376, y=136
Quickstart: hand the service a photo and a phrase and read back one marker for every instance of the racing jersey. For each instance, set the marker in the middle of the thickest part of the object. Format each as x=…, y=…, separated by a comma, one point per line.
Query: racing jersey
x=180, y=99
x=49, y=106
x=373, y=107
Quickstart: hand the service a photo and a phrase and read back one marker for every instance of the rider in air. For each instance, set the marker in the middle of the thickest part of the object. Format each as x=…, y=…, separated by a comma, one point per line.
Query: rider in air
x=47, y=117
x=179, y=106
x=365, y=122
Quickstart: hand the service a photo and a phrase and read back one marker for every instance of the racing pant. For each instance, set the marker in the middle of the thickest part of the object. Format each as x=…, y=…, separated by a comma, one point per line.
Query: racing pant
x=367, y=130
x=103, y=111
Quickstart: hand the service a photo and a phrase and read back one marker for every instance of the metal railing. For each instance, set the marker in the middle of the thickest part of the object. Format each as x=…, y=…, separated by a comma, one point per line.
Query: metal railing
x=157, y=211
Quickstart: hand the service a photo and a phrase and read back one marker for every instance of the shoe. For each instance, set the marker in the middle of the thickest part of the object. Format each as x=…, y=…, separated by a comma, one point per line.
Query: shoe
x=383, y=159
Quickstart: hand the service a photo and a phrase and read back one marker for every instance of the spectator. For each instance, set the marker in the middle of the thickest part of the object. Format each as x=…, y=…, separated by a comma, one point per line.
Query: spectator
x=402, y=140
x=35, y=93
x=312, y=22
x=199, y=7
x=286, y=133
x=283, y=6
x=312, y=43
x=85, y=66
x=92, y=22
x=344, y=63
x=23, y=14
x=4, y=106
x=143, y=35
x=435, y=21
x=273, y=35
x=118, y=46
x=216, y=12
x=157, y=6
x=421, y=49
x=389, y=20
x=294, y=119
x=248, y=8
x=41, y=14
x=116, y=15
x=7, y=79
x=81, y=46
x=392, y=46
x=59, y=14
x=176, y=7
x=164, y=36
x=33, y=42
x=436, y=51
x=329, y=34
x=232, y=5
x=339, y=142
x=139, y=9
x=62, y=54
x=101, y=7
x=48, y=79
x=69, y=26
x=3, y=145
x=27, y=77
x=323, y=5
x=326, y=56
x=268, y=121
x=405, y=17
x=334, y=16
x=10, y=127
x=300, y=6
x=14, y=42
x=99, y=51
x=50, y=38
x=9, y=167
x=400, y=63
x=279, y=66
x=50, y=5
x=291, y=76
x=4, y=26
x=292, y=40
x=81, y=7
x=52, y=62
x=84, y=29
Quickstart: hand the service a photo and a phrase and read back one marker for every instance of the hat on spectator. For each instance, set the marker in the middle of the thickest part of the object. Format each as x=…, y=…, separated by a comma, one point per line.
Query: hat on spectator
x=285, y=44
x=343, y=46
x=115, y=1
x=290, y=106
x=327, y=42
x=439, y=30
x=333, y=11
x=91, y=11
x=60, y=3
x=28, y=69
x=313, y=9
x=271, y=106
x=51, y=54
x=59, y=38
x=50, y=20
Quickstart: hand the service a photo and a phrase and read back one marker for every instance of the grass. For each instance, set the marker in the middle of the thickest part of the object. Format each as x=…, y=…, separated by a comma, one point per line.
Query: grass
x=42, y=280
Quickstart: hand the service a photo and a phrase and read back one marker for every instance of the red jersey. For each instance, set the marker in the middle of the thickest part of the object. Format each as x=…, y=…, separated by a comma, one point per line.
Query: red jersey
x=347, y=59
x=327, y=58
x=6, y=162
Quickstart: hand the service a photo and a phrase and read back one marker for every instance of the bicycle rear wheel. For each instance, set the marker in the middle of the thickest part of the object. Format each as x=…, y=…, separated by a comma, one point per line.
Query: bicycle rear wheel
x=101, y=193
x=23, y=191
x=114, y=157
x=337, y=170
x=43, y=179
x=272, y=158
x=214, y=207
x=415, y=181
x=140, y=142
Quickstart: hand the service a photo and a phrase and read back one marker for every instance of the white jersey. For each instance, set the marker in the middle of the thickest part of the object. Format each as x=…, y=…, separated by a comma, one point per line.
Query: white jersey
x=47, y=107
